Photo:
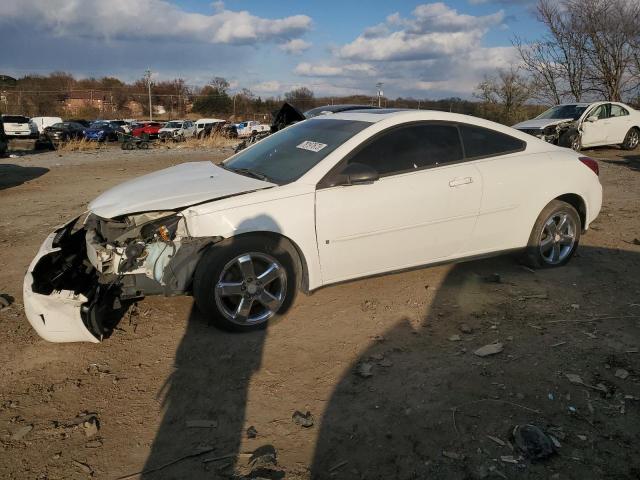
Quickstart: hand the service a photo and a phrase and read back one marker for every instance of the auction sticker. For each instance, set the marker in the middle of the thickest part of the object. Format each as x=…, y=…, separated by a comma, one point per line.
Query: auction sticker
x=311, y=146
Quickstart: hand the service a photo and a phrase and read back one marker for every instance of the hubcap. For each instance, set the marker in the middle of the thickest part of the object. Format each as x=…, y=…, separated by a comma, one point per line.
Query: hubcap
x=251, y=288
x=558, y=237
x=633, y=139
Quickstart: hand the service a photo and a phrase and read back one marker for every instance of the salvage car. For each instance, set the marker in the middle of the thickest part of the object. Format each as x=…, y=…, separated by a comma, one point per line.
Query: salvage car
x=329, y=199
x=582, y=125
x=64, y=131
x=147, y=130
x=178, y=130
x=18, y=126
x=102, y=131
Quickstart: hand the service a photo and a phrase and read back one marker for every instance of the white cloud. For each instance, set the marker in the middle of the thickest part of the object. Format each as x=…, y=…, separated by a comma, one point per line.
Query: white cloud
x=325, y=70
x=125, y=19
x=295, y=46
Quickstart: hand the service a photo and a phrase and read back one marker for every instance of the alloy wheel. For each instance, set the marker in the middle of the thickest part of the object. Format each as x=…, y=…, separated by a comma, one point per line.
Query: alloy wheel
x=251, y=288
x=634, y=138
x=558, y=238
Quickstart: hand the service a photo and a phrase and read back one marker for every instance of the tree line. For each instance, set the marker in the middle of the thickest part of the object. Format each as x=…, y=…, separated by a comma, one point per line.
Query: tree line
x=589, y=51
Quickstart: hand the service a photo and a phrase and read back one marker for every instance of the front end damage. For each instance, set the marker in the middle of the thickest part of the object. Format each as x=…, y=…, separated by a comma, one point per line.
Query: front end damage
x=85, y=272
x=557, y=134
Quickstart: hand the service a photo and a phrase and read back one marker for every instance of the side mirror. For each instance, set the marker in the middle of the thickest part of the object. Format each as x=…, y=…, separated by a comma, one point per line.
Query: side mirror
x=357, y=174
x=592, y=118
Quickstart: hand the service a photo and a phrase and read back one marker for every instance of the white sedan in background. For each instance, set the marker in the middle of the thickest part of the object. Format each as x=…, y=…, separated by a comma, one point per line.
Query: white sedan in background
x=583, y=125
x=330, y=199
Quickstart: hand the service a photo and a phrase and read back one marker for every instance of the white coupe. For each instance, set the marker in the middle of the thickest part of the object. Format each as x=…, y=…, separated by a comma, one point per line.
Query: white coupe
x=329, y=199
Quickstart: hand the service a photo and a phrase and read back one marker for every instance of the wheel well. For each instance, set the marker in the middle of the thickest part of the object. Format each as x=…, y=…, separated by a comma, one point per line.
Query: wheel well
x=576, y=202
x=299, y=261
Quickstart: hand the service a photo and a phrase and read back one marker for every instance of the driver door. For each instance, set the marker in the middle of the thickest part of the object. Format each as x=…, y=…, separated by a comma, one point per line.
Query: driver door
x=595, y=127
x=423, y=207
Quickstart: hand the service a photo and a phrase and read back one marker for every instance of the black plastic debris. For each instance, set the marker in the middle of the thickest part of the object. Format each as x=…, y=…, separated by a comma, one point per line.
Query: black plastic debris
x=305, y=420
x=533, y=442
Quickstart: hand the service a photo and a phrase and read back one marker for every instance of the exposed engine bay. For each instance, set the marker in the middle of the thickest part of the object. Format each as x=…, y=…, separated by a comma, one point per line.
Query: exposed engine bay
x=558, y=134
x=102, y=264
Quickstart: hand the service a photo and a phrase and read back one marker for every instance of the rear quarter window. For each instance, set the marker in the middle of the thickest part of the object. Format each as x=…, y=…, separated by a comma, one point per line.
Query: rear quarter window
x=482, y=142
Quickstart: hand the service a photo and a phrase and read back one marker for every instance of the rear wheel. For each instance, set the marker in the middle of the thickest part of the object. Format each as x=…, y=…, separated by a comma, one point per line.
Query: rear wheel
x=244, y=282
x=555, y=236
x=631, y=140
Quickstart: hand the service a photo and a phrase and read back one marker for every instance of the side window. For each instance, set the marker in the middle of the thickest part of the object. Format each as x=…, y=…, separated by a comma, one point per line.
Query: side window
x=600, y=112
x=618, y=111
x=411, y=148
x=483, y=142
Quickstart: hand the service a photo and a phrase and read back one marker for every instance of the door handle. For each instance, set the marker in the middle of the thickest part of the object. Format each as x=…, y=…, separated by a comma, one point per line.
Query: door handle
x=456, y=182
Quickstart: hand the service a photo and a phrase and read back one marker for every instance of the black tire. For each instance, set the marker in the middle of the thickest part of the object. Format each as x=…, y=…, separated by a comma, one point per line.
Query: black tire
x=571, y=139
x=631, y=140
x=533, y=255
x=211, y=266
x=143, y=145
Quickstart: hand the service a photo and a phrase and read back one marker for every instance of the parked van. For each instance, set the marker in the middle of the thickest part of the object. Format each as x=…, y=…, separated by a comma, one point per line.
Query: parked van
x=41, y=123
x=203, y=122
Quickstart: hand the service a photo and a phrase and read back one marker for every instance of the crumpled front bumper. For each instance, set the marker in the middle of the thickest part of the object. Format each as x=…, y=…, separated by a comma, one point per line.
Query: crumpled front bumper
x=56, y=317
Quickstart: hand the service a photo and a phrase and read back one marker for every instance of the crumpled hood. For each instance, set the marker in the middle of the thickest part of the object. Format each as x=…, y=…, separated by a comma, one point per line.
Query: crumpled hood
x=175, y=187
x=541, y=123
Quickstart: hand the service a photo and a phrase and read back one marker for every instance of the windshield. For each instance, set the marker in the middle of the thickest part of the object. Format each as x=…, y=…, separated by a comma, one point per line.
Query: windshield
x=287, y=155
x=14, y=119
x=99, y=125
x=173, y=125
x=564, y=111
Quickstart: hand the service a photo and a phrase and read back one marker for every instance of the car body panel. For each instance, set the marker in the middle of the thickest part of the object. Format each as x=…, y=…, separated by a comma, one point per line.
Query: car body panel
x=54, y=317
x=173, y=188
x=41, y=123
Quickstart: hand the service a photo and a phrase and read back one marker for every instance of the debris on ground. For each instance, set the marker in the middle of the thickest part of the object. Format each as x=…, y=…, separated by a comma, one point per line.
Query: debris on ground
x=497, y=440
x=455, y=338
x=263, y=457
x=452, y=455
x=5, y=300
x=364, y=369
x=22, y=432
x=93, y=444
x=305, y=420
x=91, y=427
x=252, y=432
x=533, y=442
x=488, y=350
x=83, y=466
x=464, y=328
x=621, y=373
x=573, y=378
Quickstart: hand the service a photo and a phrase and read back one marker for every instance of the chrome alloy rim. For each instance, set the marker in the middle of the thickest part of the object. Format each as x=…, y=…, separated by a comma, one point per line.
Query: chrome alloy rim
x=633, y=139
x=251, y=288
x=558, y=237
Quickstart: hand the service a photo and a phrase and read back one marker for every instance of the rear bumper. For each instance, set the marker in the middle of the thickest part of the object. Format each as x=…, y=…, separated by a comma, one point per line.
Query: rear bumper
x=57, y=316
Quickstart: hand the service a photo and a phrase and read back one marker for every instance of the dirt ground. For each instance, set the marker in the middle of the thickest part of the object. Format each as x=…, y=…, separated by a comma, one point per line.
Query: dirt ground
x=170, y=395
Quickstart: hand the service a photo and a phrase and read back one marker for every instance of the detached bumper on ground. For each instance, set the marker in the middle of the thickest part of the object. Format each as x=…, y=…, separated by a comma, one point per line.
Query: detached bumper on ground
x=58, y=292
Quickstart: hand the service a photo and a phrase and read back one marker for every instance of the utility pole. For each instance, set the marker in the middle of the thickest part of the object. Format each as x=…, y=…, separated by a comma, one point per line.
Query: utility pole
x=147, y=77
x=380, y=93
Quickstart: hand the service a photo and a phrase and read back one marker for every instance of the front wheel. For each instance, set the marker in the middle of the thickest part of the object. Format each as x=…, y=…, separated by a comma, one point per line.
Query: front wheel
x=631, y=140
x=555, y=236
x=244, y=282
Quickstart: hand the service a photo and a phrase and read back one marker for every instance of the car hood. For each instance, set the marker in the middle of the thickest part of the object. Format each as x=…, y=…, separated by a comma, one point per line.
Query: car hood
x=541, y=123
x=173, y=188
x=166, y=129
x=96, y=130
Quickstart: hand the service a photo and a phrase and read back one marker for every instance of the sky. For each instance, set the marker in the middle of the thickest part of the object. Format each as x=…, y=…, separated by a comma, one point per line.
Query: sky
x=419, y=49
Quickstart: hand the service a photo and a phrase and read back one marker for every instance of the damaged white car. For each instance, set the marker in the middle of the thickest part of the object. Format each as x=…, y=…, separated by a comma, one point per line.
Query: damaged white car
x=329, y=199
x=583, y=125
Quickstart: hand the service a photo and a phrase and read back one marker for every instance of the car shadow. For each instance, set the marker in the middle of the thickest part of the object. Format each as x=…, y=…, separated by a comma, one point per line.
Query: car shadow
x=429, y=407
x=205, y=397
x=418, y=403
x=14, y=175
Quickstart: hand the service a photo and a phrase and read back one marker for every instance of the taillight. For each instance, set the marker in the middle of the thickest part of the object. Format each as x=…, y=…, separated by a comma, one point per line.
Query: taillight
x=591, y=163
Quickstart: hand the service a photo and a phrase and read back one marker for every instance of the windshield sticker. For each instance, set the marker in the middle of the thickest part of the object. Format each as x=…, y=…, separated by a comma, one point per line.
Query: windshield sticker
x=311, y=146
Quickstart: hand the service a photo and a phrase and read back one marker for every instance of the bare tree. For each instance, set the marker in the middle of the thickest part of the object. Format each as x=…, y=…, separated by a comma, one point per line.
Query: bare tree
x=611, y=28
x=508, y=90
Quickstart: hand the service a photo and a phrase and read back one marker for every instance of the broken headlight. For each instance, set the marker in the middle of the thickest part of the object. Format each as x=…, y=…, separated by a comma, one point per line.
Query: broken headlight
x=165, y=229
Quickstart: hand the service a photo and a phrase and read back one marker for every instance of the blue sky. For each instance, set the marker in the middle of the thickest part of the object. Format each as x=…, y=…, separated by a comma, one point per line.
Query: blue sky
x=420, y=49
